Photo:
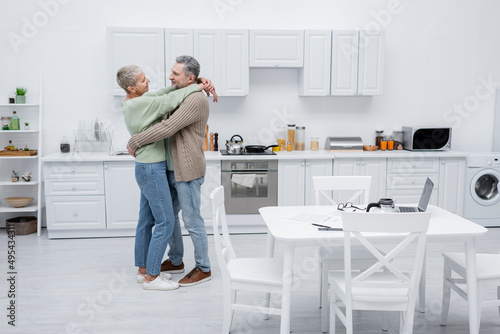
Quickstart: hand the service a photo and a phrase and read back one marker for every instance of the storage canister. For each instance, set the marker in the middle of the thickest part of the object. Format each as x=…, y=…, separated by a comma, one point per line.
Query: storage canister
x=291, y=136
x=300, y=138
x=5, y=123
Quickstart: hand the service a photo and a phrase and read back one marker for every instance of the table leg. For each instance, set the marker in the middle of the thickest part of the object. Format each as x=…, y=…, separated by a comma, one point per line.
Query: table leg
x=287, y=290
x=269, y=253
x=421, y=286
x=270, y=245
x=470, y=261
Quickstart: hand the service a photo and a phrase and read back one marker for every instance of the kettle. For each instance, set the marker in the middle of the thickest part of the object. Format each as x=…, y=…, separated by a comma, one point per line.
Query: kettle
x=383, y=203
x=235, y=146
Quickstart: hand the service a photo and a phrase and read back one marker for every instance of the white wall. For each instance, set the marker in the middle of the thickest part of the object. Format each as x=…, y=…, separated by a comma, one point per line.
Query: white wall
x=438, y=56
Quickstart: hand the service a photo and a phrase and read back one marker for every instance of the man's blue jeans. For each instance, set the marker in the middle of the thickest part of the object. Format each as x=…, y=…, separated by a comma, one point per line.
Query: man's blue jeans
x=155, y=210
x=186, y=196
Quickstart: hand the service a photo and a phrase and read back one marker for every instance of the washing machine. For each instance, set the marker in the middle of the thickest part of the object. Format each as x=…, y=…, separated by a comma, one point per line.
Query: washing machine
x=482, y=195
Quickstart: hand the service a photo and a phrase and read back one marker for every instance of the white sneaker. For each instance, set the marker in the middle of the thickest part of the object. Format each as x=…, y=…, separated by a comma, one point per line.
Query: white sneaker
x=140, y=277
x=160, y=283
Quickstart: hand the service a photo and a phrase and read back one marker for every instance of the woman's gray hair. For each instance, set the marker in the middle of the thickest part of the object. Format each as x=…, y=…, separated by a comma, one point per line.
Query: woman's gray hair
x=191, y=65
x=127, y=76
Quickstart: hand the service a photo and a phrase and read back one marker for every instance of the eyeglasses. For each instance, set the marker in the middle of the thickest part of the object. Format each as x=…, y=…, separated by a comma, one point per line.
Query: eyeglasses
x=348, y=205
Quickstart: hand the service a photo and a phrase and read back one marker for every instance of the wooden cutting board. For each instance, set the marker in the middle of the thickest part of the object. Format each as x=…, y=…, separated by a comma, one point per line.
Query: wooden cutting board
x=6, y=153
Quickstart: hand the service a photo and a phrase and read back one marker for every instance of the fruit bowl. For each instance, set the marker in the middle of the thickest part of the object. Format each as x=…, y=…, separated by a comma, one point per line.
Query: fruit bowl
x=369, y=148
x=19, y=202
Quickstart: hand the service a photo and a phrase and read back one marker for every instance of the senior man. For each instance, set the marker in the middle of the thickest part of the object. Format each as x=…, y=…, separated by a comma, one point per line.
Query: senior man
x=184, y=132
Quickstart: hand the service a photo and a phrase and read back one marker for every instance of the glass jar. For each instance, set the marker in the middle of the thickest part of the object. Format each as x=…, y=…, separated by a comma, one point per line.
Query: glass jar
x=300, y=138
x=291, y=136
x=281, y=136
x=314, y=143
x=65, y=147
x=5, y=123
x=379, y=136
x=14, y=121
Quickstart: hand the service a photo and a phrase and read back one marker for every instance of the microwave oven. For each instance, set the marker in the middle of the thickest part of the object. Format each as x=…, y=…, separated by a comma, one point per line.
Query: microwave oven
x=417, y=138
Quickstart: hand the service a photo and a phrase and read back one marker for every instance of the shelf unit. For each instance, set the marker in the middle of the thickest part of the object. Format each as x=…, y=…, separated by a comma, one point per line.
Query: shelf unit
x=33, y=113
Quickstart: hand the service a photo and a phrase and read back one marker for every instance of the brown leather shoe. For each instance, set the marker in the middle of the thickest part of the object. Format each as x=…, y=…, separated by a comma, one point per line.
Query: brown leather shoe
x=168, y=266
x=195, y=276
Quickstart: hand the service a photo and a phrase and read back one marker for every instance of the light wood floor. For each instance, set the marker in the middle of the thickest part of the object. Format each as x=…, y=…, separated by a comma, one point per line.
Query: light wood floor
x=88, y=286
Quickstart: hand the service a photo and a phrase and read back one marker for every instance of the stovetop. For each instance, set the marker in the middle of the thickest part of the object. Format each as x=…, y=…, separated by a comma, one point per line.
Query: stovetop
x=266, y=152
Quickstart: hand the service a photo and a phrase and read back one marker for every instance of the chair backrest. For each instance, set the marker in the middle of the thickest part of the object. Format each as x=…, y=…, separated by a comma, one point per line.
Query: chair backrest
x=403, y=230
x=223, y=246
x=359, y=184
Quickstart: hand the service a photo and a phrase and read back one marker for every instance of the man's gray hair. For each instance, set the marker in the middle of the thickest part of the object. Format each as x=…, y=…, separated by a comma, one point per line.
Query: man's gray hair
x=127, y=76
x=191, y=65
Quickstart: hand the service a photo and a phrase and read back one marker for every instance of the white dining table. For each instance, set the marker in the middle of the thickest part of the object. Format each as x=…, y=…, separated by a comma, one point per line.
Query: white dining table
x=284, y=227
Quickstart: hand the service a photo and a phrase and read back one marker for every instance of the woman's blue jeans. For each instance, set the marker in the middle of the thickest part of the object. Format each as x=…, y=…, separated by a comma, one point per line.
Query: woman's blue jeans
x=155, y=211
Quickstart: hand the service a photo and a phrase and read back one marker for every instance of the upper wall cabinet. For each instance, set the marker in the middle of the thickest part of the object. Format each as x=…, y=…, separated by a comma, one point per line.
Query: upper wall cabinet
x=314, y=77
x=222, y=54
x=136, y=46
x=178, y=42
x=276, y=48
x=357, y=63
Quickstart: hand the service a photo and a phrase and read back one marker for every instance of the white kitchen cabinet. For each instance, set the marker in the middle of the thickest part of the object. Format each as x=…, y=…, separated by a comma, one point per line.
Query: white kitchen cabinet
x=234, y=63
x=122, y=195
x=406, y=178
x=136, y=46
x=33, y=139
x=212, y=181
x=374, y=167
x=357, y=62
x=276, y=48
x=91, y=198
x=223, y=56
x=314, y=77
x=178, y=42
x=295, y=185
x=207, y=50
x=452, y=184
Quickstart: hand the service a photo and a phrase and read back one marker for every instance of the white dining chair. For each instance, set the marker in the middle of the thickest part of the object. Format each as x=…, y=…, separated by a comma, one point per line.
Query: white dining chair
x=357, y=190
x=377, y=289
x=454, y=278
x=248, y=274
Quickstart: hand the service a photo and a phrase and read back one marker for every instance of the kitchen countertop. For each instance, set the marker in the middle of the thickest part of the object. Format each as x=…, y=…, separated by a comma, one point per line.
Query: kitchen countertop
x=294, y=155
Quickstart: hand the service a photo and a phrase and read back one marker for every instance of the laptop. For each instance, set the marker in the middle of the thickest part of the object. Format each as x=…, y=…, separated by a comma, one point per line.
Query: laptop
x=424, y=199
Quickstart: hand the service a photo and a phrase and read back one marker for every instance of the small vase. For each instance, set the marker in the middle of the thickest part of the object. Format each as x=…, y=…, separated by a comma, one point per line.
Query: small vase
x=26, y=127
x=20, y=99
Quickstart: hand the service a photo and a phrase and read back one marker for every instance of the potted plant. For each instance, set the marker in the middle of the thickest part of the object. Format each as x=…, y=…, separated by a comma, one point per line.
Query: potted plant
x=26, y=125
x=21, y=94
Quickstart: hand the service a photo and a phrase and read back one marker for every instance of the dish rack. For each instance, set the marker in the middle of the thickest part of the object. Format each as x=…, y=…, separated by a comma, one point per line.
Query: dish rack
x=93, y=141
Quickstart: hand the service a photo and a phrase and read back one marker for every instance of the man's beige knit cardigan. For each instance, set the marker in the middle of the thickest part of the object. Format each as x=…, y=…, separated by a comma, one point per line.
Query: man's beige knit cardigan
x=186, y=127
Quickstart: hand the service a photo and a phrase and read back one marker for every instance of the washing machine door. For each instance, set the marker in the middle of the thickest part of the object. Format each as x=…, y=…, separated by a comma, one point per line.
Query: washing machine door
x=485, y=187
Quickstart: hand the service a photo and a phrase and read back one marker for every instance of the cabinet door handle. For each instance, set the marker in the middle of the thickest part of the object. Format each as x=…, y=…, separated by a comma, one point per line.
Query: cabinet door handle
x=357, y=162
x=105, y=166
x=302, y=164
x=218, y=165
x=414, y=165
x=75, y=213
x=442, y=162
x=307, y=164
x=72, y=170
x=362, y=163
x=74, y=187
x=413, y=181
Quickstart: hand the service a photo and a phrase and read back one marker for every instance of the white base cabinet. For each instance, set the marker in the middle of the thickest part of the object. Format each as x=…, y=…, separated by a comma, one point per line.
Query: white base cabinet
x=91, y=199
x=452, y=184
x=122, y=195
x=295, y=180
x=374, y=167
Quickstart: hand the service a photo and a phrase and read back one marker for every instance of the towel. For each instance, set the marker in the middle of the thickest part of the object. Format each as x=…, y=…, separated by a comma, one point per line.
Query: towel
x=247, y=180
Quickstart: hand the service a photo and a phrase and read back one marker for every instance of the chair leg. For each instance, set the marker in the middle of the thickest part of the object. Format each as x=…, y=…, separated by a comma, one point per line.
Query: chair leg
x=229, y=297
x=445, y=301
x=324, y=298
x=498, y=297
x=478, y=305
x=320, y=284
x=267, y=303
x=384, y=321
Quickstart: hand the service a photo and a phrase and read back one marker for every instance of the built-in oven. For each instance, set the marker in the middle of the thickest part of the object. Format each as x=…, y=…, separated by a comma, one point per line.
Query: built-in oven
x=249, y=185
